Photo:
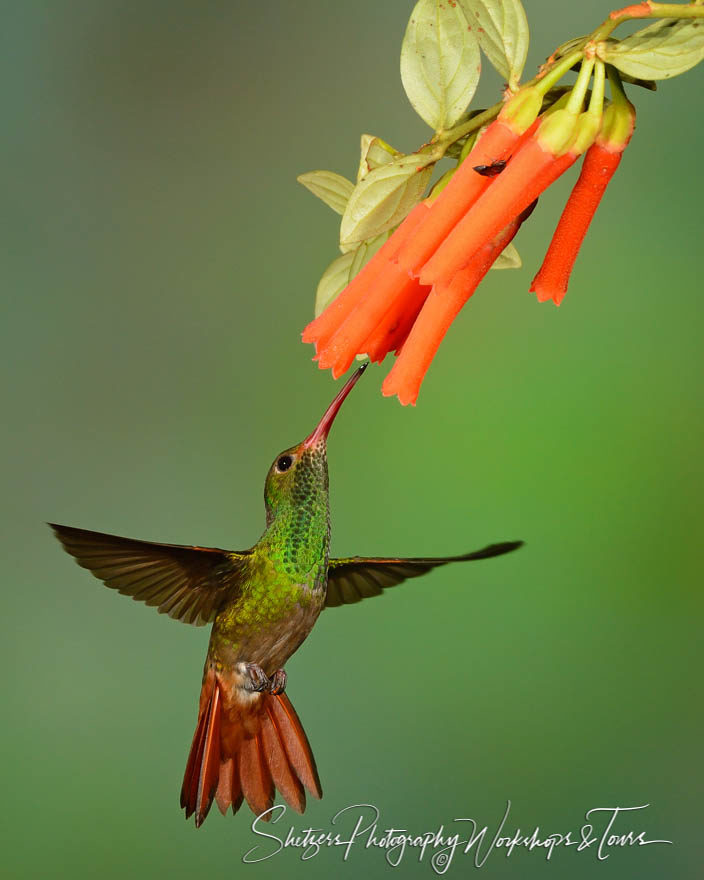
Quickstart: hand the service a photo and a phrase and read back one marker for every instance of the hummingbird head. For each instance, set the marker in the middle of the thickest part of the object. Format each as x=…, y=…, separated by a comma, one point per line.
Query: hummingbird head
x=299, y=475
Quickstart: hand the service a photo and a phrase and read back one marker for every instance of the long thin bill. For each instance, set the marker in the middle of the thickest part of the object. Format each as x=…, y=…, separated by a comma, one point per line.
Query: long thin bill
x=321, y=431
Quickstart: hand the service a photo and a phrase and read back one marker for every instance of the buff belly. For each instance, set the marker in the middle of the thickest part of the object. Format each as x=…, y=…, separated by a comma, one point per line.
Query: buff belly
x=237, y=640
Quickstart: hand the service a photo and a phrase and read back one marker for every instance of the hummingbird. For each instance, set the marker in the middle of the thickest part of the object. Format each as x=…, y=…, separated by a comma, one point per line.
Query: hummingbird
x=262, y=603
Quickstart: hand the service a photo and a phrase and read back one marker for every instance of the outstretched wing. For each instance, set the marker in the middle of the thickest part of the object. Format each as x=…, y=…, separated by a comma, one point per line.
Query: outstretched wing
x=358, y=577
x=187, y=583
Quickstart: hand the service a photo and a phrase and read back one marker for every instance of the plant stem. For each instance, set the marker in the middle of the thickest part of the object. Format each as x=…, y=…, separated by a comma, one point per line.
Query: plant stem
x=647, y=9
x=596, y=101
x=548, y=77
x=618, y=96
x=574, y=105
x=459, y=131
x=546, y=80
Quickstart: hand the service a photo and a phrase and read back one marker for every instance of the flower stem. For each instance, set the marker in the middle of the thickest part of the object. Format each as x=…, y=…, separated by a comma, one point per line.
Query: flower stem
x=618, y=95
x=596, y=102
x=576, y=99
x=474, y=124
x=544, y=81
x=557, y=68
x=647, y=9
x=550, y=76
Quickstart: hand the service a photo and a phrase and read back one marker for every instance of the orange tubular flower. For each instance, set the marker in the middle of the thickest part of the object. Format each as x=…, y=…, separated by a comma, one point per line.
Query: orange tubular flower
x=321, y=330
x=600, y=163
x=373, y=311
x=408, y=294
x=531, y=171
x=438, y=312
x=395, y=326
x=393, y=287
x=496, y=143
x=559, y=140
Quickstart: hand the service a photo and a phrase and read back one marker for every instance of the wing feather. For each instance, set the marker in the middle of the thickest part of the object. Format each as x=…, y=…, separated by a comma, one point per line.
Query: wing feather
x=358, y=577
x=187, y=583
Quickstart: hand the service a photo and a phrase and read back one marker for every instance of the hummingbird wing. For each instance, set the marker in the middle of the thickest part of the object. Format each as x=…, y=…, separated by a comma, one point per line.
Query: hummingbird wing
x=359, y=577
x=187, y=583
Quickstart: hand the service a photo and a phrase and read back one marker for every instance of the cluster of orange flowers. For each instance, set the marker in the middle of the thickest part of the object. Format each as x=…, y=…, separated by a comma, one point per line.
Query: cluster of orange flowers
x=405, y=298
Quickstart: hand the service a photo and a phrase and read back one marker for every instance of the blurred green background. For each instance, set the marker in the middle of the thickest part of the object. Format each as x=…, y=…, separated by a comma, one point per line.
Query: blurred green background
x=159, y=262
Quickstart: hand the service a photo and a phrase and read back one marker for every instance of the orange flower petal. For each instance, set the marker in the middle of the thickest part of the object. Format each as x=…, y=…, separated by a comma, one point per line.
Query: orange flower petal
x=395, y=325
x=324, y=326
x=392, y=287
x=456, y=199
x=528, y=173
x=439, y=311
x=553, y=276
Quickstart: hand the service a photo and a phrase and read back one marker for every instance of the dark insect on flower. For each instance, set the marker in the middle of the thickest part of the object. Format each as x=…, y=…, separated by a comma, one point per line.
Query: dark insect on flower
x=496, y=167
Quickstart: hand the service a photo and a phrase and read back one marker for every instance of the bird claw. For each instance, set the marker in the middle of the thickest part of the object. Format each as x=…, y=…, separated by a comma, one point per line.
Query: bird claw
x=259, y=682
x=258, y=679
x=278, y=682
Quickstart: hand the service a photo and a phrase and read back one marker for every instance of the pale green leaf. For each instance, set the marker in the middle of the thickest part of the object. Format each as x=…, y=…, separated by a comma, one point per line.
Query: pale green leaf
x=664, y=49
x=333, y=189
x=365, y=251
x=333, y=281
x=440, y=63
x=501, y=27
x=384, y=197
x=509, y=258
x=374, y=153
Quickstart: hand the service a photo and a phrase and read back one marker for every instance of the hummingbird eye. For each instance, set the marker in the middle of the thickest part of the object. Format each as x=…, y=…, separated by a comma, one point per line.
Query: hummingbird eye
x=284, y=463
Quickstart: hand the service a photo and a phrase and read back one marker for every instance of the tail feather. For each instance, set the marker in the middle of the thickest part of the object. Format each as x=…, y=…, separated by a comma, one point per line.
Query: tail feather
x=246, y=751
x=296, y=744
x=210, y=762
x=223, y=795
x=275, y=753
x=189, y=789
x=203, y=767
x=257, y=784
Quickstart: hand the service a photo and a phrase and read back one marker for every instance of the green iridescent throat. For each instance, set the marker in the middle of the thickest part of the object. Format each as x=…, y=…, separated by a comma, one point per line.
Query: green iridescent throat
x=298, y=518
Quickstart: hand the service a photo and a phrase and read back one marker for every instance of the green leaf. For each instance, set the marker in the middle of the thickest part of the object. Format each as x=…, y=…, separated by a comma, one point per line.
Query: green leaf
x=384, y=197
x=509, y=258
x=501, y=27
x=365, y=251
x=346, y=248
x=664, y=49
x=333, y=189
x=440, y=63
x=374, y=153
x=333, y=281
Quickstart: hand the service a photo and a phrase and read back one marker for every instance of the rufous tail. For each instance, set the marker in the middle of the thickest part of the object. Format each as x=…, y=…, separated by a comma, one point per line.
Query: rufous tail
x=245, y=748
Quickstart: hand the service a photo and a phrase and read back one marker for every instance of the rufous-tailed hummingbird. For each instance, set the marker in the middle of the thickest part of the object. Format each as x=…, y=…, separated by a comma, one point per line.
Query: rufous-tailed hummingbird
x=262, y=603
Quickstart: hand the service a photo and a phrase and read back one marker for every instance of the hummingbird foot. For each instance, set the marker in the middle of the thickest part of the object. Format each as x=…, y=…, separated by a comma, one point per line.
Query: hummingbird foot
x=278, y=682
x=258, y=679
